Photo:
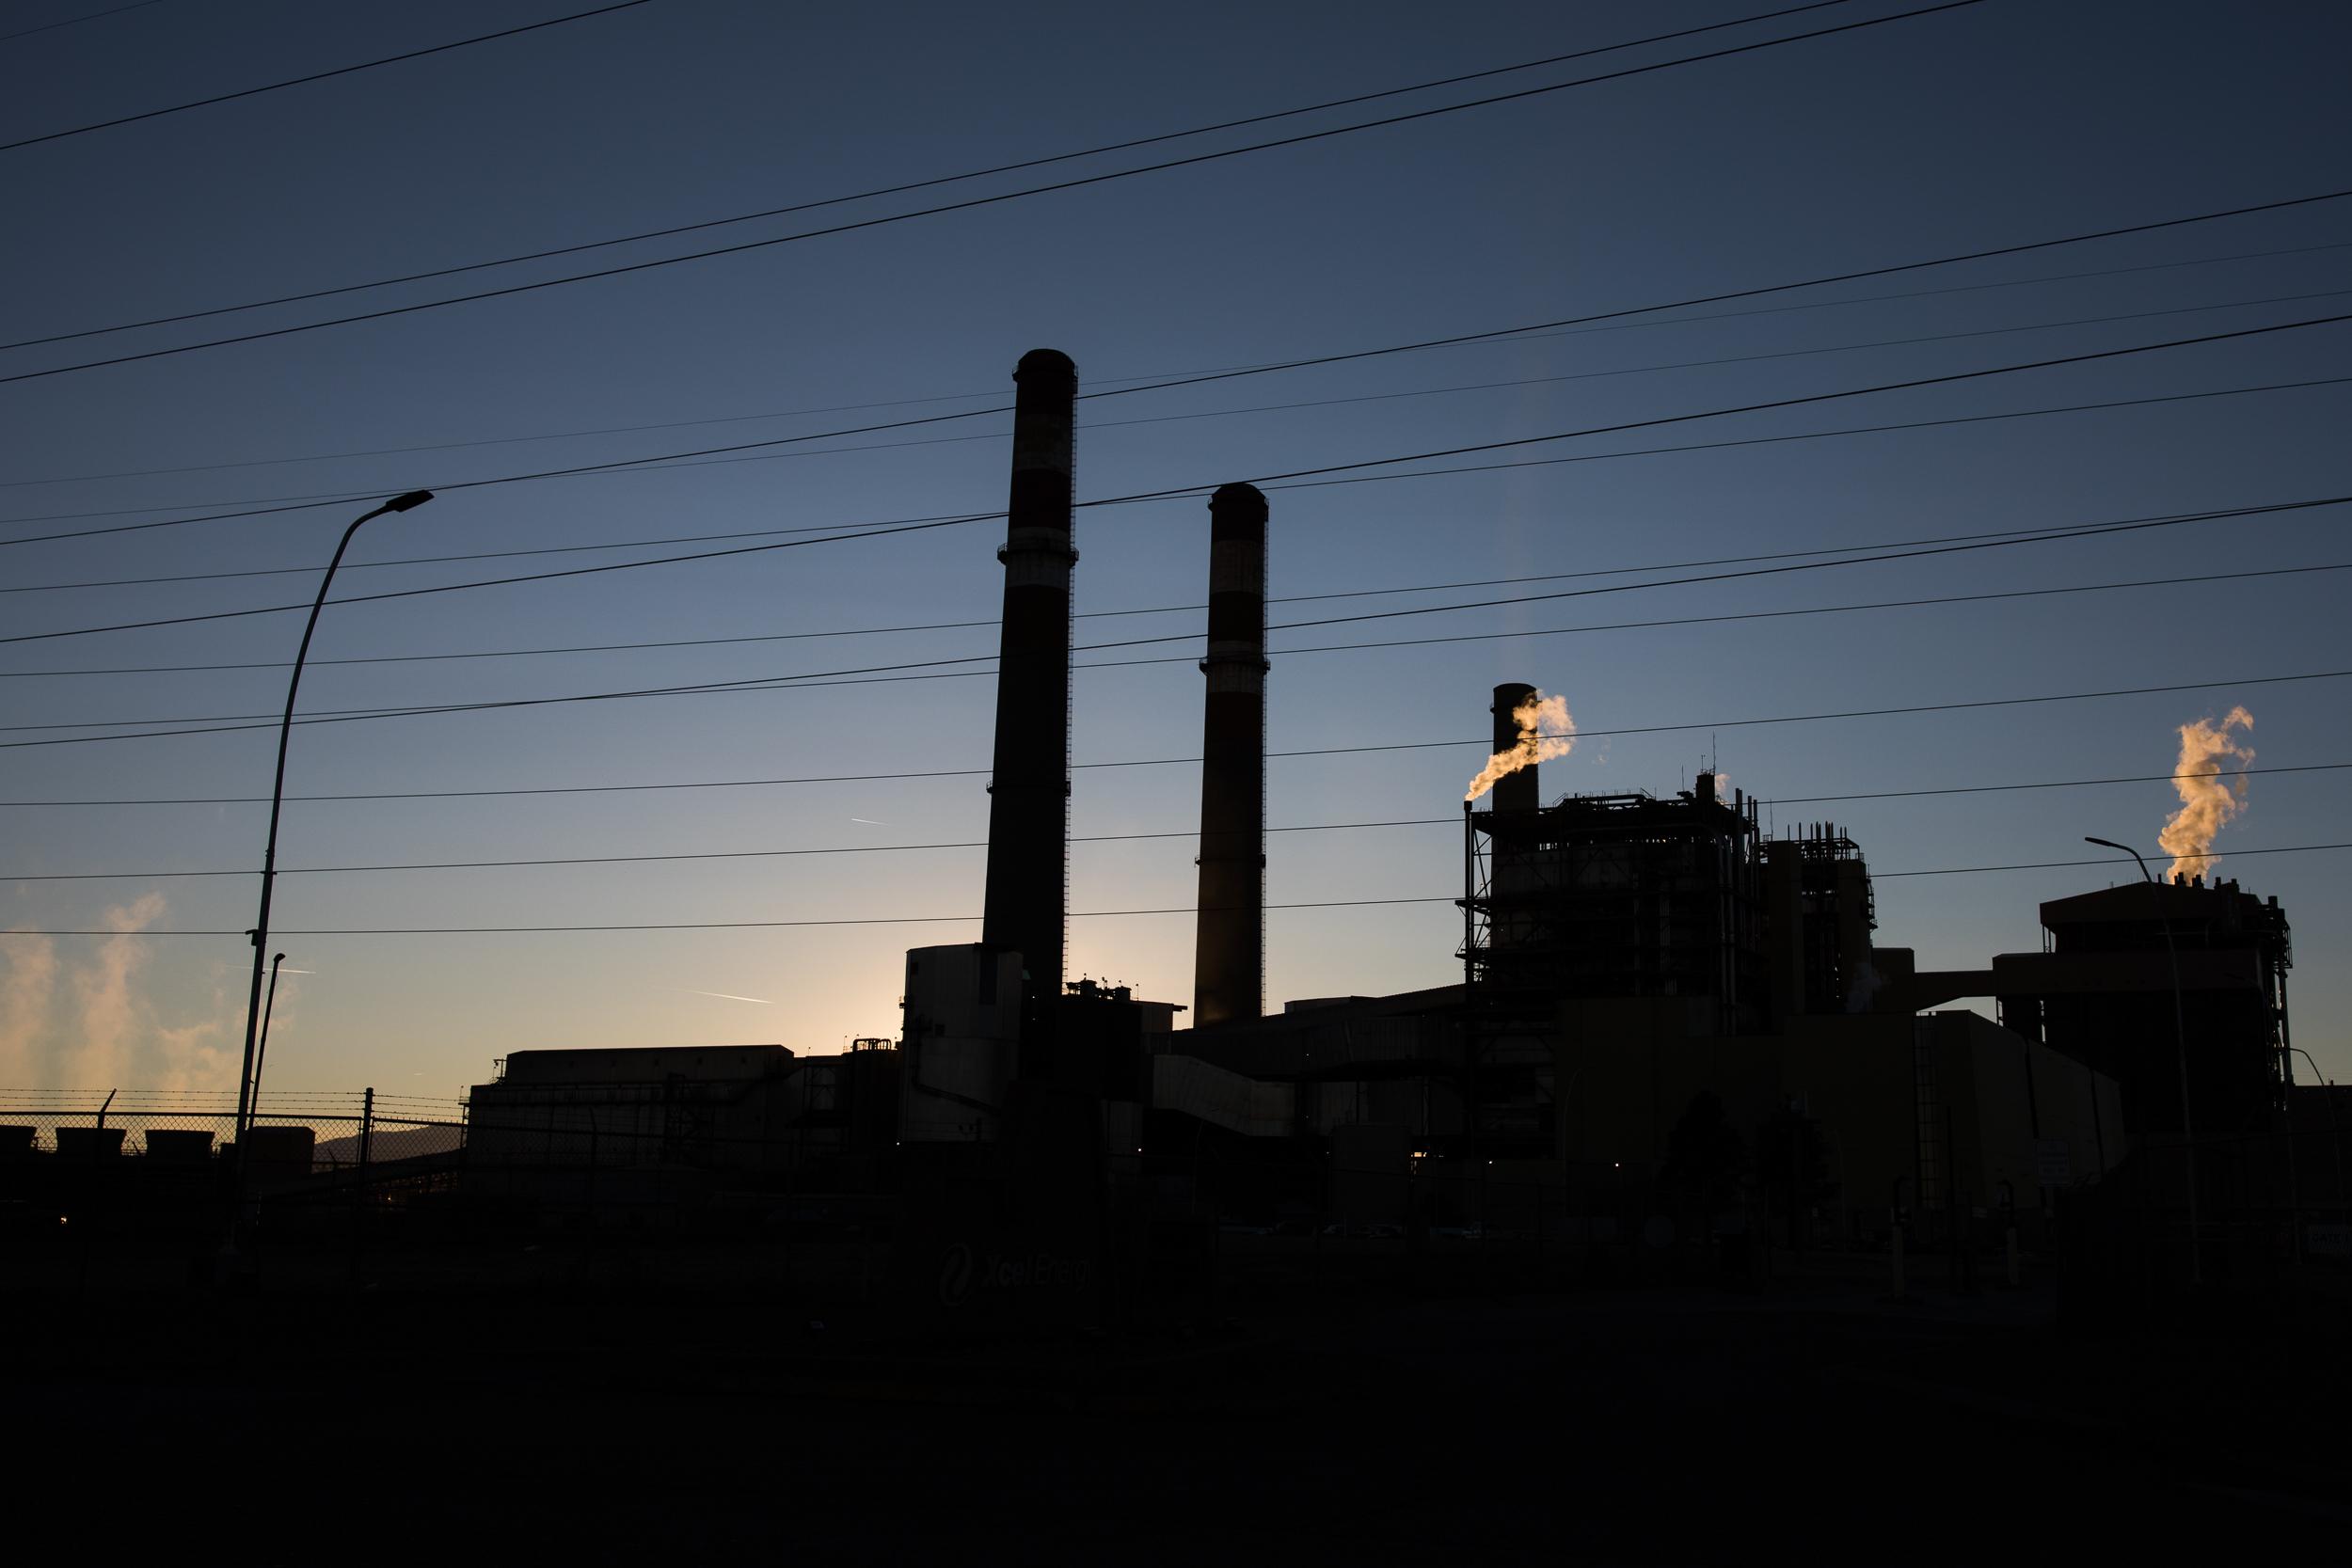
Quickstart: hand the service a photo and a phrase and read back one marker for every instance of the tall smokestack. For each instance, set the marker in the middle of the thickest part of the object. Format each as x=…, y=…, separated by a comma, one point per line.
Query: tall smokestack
x=1229, y=945
x=1513, y=791
x=1029, y=809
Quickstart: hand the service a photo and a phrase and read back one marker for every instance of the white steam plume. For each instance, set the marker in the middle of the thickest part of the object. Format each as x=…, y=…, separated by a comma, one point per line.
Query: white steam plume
x=1545, y=732
x=2208, y=802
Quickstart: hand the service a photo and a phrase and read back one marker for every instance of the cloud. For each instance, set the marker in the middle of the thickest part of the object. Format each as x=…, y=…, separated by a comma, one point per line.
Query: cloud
x=28, y=993
x=106, y=1019
x=91, y=1019
x=203, y=1055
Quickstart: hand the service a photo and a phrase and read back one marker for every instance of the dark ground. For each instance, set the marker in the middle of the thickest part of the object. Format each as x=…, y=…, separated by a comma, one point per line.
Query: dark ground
x=1807, y=1421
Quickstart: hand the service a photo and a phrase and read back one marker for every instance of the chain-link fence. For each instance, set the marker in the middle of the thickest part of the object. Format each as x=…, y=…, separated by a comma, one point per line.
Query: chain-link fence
x=657, y=1187
x=192, y=1125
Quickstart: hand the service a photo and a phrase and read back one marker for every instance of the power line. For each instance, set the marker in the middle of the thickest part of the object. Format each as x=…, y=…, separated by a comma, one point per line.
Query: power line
x=978, y=201
x=1428, y=473
x=2020, y=535
x=2051, y=866
x=1167, y=762
x=2060, y=784
x=1368, y=478
x=1200, y=414
x=1105, y=381
x=826, y=677
x=1074, y=914
x=837, y=677
x=531, y=577
x=77, y=21
x=1818, y=435
x=899, y=402
x=1452, y=822
x=227, y=723
x=1782, y=403
x=1192, y=489
x=913, y=185
x=315, y=76
x=1260, y=369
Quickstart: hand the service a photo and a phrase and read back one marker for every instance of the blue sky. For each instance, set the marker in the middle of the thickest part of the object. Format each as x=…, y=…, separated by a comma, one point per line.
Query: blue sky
x=1993, y=124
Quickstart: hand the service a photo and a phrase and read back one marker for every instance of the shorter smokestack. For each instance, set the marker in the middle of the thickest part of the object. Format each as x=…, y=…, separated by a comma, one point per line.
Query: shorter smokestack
x=1514, y=791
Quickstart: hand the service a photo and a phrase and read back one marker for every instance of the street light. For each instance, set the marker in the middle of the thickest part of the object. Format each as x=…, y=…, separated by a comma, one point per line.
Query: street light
x=246, y=1084
x=2180, y=1040
x=2327, y=1098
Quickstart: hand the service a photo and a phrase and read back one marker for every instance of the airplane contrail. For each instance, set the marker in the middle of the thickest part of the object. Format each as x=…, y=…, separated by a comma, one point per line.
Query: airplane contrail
x=725, y=995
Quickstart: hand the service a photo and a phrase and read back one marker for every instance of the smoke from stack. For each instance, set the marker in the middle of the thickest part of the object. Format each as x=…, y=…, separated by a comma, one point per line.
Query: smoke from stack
x=1529, y=728
x=1028, y=810
x=1228, y=948
x=2207, y=802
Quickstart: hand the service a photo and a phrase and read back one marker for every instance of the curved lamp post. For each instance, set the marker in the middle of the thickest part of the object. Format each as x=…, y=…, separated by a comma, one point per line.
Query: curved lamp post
x=2180, y=1041
x=260, y=1051
x=246, y=1084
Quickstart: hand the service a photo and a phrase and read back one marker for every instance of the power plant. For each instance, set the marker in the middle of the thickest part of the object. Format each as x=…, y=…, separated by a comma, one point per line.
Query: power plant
x=1670, y=1024
x=1638, y=973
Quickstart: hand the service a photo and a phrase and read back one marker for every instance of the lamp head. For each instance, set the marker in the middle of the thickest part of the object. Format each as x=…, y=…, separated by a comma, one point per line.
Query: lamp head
x=408, y=502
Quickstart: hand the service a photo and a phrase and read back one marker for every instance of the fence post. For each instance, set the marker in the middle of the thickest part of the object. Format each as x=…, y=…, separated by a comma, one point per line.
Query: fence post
x=359, y=1184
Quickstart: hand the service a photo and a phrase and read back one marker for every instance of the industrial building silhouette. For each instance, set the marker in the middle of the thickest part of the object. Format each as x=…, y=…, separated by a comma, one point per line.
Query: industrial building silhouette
x=1630, y=962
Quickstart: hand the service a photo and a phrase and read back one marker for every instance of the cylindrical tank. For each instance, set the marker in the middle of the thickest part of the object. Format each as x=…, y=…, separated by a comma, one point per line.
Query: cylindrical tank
x=1028, y=811
x=1229, y=949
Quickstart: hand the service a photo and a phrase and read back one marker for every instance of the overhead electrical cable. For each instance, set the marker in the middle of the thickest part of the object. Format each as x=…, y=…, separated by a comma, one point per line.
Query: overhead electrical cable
x=1195, y=489
x=2015, y=533
x=1517, y=383
x=317, y=76
x=1734, y=442
x=1097, y=381
x=77, y=21
x=791, y=681
x=1323, y=751
x=1149, y=762
x=1451, y=822
x=825, y=679
x=1760, y=407
x=915, y=185
x=230, y=723
x=2059, y=865
x=831, y=678
x=1306, y=485
x=977, y=201
x=1263, y=370
x=1074, y=914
